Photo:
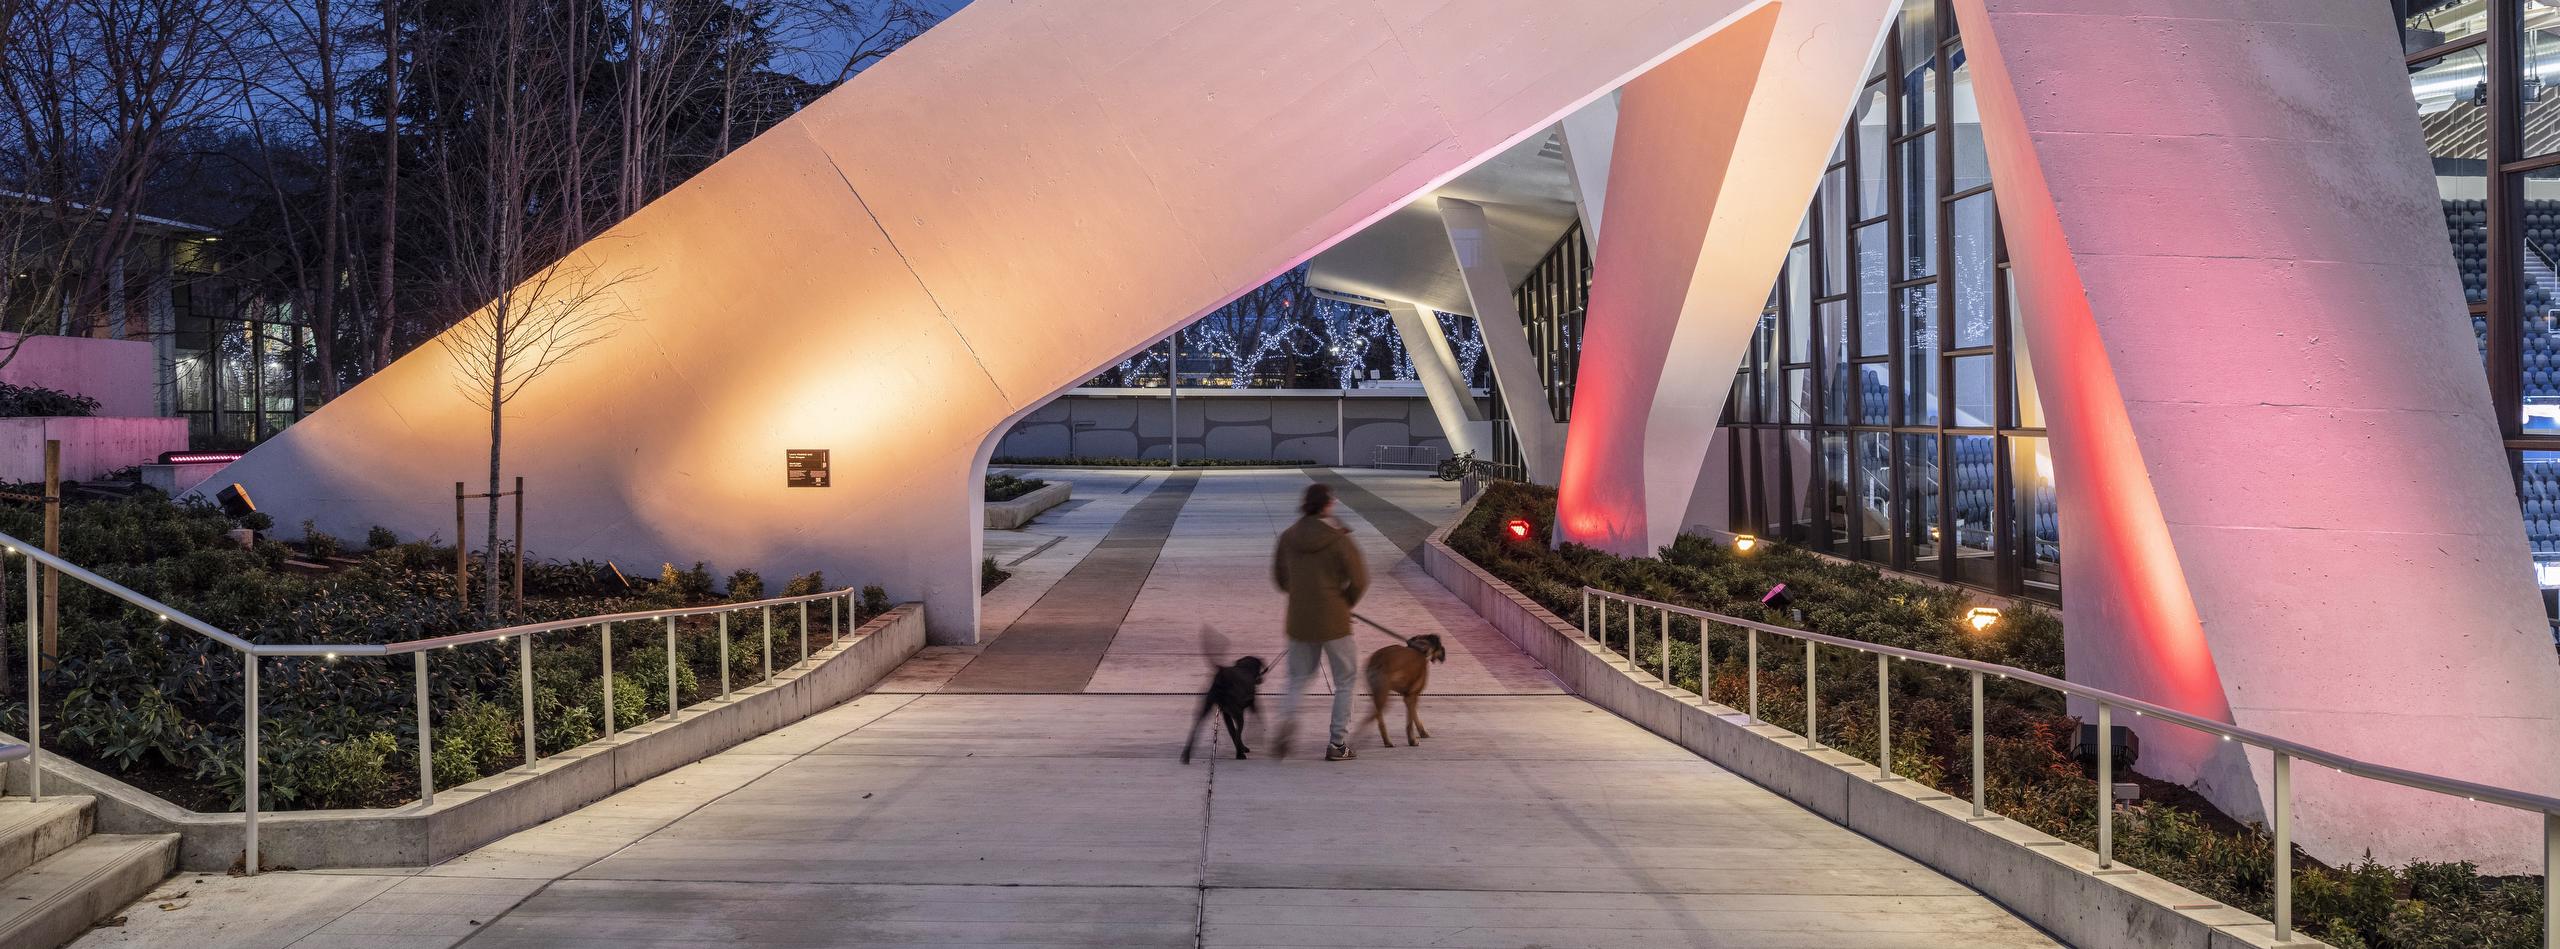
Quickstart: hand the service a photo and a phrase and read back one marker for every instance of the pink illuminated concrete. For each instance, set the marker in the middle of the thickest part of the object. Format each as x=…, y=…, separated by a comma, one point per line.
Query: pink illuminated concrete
x=1032, y=190
x=1716, y=155
x=2283, y=494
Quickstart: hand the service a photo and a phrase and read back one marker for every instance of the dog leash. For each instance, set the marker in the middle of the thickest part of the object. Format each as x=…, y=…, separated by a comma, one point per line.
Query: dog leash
x=1373, y=624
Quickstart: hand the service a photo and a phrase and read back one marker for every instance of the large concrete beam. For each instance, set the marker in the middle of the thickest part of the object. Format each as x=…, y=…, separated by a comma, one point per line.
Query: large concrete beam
x=1030, y=191
x=1590, y=135
x=1451, y=402
x=1506, y=340
x=1717, y=153
x=2284, y=497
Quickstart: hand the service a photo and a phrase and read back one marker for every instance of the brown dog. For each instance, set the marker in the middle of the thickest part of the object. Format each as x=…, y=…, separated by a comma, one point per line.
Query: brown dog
x=1402, y=670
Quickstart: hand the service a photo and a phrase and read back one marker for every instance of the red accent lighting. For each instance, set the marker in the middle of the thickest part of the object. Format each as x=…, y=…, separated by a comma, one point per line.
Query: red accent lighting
x=1517, y=528
x=198, y=457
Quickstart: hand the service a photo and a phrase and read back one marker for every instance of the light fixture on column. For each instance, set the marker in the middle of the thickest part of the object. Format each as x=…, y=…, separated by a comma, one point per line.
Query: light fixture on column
x=1982, y=618
x=1742, y=543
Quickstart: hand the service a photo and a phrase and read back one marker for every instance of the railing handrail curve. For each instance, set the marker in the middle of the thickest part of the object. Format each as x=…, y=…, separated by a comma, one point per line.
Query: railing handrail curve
x=2521, y=800
x=174, y=615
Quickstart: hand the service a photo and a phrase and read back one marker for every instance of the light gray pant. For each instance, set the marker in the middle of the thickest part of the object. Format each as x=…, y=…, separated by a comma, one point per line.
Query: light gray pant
x=1340, y=659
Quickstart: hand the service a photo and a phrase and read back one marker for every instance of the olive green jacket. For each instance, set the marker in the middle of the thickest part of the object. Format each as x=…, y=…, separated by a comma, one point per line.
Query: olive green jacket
x=1319, y=566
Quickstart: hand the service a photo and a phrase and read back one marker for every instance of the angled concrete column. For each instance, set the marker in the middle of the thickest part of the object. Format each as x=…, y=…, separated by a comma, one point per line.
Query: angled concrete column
x=1029, y=192
x=2284, y=498
x=1589, y=136
x=1506, y=341
x=1460, y=417
x=1716, y=155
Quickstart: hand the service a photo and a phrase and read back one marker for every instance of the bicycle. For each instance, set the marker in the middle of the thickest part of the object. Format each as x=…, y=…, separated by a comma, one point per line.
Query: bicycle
x=1460, y=465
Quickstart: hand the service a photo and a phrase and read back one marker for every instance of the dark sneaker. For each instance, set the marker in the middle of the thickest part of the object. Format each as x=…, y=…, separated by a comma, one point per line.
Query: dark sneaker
x=1339, y=753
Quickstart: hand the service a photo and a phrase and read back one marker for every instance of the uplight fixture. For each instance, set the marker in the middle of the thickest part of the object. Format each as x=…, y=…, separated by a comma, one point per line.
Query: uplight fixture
x=1982, y=617
x=1518, y=528
x=1742, y=543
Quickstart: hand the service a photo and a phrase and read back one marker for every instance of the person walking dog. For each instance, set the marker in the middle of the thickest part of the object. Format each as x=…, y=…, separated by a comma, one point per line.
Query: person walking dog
x=1319, y=567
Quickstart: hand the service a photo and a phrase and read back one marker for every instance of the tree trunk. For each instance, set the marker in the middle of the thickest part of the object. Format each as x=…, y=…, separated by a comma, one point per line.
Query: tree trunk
x=324, y=316
x=385, y=307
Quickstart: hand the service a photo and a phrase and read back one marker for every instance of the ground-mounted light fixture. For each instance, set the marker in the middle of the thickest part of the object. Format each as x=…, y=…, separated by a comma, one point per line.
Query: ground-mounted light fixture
x=1742, y=543
x=1777, y=598
x=1517, y=529
x=1982, y=618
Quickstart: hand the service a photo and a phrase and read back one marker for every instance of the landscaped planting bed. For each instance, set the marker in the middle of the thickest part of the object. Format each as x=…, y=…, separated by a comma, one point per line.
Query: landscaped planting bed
x=1005, y=487
x=2030, y=776
x=160, y=707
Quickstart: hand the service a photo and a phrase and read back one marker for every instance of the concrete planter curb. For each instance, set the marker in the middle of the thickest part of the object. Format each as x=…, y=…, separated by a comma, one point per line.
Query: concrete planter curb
x=2046, y=881
x=1012, y=515
x=466, y=817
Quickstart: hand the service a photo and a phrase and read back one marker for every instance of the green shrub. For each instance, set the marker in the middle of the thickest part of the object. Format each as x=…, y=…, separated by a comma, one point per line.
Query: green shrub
x=807, y=584
x=684, y=586
x=1005, y=487
x=990, y=574
x=318, y=543
x=476, y=740
x=379, y=537
x=18, y=401
x=106, y=726
x=745, y=585
x=875, y=601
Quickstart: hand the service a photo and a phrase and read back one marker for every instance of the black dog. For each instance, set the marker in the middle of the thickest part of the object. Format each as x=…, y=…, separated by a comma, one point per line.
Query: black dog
x=1232, y=689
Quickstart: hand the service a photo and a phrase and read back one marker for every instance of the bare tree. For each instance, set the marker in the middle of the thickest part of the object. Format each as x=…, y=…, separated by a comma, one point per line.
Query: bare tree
x=386, y=303
x=522, y=334
x=534, y=318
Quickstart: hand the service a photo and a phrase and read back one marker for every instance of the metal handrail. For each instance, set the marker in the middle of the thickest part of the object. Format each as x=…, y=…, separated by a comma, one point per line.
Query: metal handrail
x=2284, y=750
x=840, y=605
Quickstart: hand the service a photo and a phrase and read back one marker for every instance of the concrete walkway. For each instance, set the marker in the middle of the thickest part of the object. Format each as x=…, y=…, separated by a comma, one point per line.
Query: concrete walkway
x=1019, y=805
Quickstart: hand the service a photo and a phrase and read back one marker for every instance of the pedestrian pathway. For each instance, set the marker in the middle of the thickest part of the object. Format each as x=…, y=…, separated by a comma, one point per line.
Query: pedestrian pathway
x=934, y=815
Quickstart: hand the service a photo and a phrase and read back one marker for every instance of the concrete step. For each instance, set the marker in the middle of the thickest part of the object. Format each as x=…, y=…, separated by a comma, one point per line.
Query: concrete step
x=31, y=831
x=51, y=903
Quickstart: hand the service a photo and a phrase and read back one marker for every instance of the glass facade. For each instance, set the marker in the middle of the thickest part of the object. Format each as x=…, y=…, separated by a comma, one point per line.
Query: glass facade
x=242, y=372
x=1551, y=300
x=2481, y=73
x=1885, y=411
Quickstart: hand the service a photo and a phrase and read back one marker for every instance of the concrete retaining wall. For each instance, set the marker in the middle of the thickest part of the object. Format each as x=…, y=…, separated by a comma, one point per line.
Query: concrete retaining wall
x=1327, y=426
x=466, y=817
x=120, y=373
x=91, y=446
x=1014, y=514
x=2046, y=881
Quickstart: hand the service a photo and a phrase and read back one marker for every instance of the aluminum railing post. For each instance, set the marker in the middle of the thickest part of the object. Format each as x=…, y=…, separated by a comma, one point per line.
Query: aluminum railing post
x=2284, y=847
x=1666, y=646
x=804, y=634
x=249, y=761
x=768, y=644
x=2550, y=881
x=1631, y=637
x=426, y=739
x=524, y=659
x=1977, y=743
x=724, y=655
x=1586, y=611
x=2106, y=787
x=35, y=684
x=1751, y=657
x=1706, y=633
x=673, y=701
x=1884, y=717
x=608, y=680
x=835, y=620
x=1601, y=632
x=1812, y=725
